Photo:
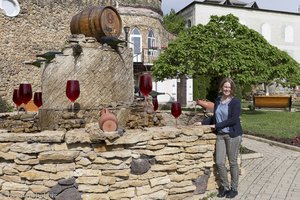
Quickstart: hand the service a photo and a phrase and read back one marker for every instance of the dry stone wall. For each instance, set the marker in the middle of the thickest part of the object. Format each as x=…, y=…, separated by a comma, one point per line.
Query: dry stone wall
x=150, y=163
x=129, y=117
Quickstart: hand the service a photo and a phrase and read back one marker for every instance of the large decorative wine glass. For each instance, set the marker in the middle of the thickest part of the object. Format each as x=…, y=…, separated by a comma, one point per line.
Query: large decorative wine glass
x=25, y=93
x=145, y=85
x=37, y=99
x=72, y=91
x=176, y=110
x=17, y=99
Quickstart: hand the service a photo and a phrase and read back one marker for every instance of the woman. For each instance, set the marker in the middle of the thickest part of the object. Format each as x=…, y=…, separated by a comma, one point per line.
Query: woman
x=226, y=123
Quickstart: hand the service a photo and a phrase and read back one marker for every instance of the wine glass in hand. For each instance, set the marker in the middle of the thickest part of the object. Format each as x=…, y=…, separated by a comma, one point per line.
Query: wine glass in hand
x=176, y=110
x=17, y=98
x=72, y=91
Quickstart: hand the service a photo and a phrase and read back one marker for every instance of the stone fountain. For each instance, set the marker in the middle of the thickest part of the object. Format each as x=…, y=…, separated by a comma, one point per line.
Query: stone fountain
x=105, y=77
x=83, y=162
x=103, y=68
x=104, y=71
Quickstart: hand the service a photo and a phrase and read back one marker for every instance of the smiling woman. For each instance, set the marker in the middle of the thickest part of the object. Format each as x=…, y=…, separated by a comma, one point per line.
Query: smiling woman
x=11, y=8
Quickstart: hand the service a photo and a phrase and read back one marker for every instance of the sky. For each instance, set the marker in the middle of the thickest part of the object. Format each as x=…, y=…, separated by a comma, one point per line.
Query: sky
x=282, y=5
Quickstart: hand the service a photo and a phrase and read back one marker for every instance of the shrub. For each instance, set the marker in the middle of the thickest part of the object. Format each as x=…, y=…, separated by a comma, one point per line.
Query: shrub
x=200, y=87
x=213, y=90
x=251, y=107
x=165, y=107
x=4, y=106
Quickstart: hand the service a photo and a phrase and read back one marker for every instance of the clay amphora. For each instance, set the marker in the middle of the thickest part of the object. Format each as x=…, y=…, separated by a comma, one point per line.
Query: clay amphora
x=107, y=121
x=207, y=105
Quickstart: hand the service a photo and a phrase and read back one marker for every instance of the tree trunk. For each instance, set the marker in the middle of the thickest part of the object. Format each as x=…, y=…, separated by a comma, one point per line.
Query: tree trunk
x=181, y=90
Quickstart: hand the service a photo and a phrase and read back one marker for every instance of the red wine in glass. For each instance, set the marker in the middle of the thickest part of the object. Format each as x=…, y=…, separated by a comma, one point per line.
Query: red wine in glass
x=37, y=99
x=25, y=93
x=72, y=91
x=17, y=98
x=155, y=103
x=145, y=85
x=176, y=110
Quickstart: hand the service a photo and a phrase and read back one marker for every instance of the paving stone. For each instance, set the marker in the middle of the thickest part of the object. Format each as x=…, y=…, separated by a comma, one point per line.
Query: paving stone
x=274, y=176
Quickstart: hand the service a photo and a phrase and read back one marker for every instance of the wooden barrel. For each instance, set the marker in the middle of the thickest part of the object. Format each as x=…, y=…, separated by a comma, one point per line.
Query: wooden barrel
x=97, y=22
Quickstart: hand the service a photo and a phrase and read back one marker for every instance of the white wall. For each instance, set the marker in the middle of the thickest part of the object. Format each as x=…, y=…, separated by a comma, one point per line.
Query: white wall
x=170, y=88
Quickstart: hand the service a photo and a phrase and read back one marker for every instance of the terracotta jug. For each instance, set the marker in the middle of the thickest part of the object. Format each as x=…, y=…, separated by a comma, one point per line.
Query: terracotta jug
x=207, y=105
x=107, y=121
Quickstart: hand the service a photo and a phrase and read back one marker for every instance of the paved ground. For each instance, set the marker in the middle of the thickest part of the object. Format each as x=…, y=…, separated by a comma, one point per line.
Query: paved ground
x=275, y=176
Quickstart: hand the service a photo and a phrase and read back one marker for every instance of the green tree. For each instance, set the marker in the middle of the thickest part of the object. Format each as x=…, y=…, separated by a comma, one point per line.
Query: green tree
x=173, y=23
x=226, y=48
x=201, y=85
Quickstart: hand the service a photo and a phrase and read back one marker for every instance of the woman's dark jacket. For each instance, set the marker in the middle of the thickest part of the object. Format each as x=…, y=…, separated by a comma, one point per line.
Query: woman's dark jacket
x=233, y=121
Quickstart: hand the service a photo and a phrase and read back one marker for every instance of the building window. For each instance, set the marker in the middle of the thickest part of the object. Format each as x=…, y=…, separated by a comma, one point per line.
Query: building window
x=11, y=8
x=151, y=42
x=136, y=44
x=266, y=31
x=289, y=34
x=158, y=43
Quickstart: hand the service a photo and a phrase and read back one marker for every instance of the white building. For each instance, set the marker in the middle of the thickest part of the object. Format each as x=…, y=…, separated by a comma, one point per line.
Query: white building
x=169, y=87
x=281, y=29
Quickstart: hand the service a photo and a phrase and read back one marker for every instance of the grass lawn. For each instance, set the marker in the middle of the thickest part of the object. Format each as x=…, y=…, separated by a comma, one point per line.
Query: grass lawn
x=271, y=124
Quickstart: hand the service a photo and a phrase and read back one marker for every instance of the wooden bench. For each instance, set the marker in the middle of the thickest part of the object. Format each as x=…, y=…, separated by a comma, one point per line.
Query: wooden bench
x=272, y=102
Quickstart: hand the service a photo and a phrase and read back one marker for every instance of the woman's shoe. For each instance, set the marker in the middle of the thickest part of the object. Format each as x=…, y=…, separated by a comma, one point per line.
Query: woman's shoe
x=222, y=192
x=231, y=194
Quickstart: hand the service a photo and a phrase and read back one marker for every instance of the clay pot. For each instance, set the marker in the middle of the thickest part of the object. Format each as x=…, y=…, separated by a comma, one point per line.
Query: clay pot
x=207, y=105
x=107, y=122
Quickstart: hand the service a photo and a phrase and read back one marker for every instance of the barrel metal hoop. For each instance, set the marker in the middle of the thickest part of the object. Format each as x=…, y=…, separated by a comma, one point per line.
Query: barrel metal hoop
x=90, y=21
